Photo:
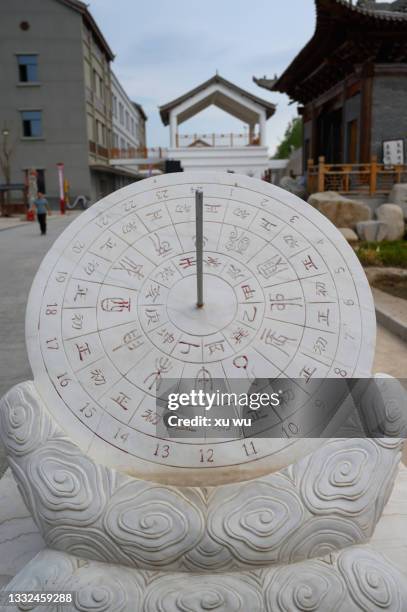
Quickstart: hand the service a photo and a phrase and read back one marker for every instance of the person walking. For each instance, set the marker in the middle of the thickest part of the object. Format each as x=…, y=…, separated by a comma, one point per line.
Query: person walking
x=42, y=207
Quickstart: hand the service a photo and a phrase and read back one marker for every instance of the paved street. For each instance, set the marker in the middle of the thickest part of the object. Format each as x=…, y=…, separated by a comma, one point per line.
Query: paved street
x=21, y=251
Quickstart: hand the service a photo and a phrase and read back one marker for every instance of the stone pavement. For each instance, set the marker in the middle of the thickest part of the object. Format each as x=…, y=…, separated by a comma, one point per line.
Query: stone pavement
x=9, y=222
x=391, y=354
x=21, y=251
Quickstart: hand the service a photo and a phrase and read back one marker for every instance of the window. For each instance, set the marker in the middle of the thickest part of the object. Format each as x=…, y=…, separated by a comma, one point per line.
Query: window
x=101, y=88
x=96, y=83
x=121, y=113
x=88, y=78
x=114, y=105
x=40, y=179
x=101, y=133
x=91, y=134
x=127, y=121
x=27, y=68
x=32, y=124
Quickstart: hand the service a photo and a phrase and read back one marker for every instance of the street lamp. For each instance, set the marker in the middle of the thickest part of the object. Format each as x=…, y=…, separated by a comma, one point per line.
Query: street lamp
x=6, y=155
x=5, y=164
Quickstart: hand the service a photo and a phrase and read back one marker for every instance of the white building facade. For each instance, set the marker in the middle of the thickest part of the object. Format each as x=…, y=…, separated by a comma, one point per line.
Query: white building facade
x=128, y=120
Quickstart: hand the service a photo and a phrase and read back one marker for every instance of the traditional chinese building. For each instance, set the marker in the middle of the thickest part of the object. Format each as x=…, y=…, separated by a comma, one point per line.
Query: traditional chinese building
x=246, y=152
x=351, y=80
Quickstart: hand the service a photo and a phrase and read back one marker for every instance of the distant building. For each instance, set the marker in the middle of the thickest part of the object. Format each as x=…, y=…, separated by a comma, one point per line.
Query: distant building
x=351, y=80
x=128, y=119
x=129, y=132
x=246, y=153
x=56, y=96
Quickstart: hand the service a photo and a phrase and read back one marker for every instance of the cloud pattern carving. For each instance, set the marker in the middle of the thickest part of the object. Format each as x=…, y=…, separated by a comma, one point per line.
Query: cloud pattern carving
x=96, y=513
x=349, y=581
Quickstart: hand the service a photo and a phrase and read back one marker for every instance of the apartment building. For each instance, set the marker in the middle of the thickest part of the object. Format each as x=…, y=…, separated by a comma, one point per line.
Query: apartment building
x=56, y=97
x=128, y=119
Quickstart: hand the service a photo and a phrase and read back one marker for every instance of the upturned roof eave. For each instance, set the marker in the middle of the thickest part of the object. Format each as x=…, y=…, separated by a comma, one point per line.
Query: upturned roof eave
x=325, y=29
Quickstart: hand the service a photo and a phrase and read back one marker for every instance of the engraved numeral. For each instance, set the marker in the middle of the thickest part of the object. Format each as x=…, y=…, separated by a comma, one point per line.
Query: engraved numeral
x=88, y=411
x=51, y=309
x=290, y=430
x=78, y=247
x=61, y=277
x=206, y=455
x=162, y=451
x=63, y=379
x=249, y=448
x=120, y=435
x=340, y=372
x=53, y=344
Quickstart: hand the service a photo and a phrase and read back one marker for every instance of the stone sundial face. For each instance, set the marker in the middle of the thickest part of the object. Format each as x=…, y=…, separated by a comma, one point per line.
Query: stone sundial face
x=112, y=313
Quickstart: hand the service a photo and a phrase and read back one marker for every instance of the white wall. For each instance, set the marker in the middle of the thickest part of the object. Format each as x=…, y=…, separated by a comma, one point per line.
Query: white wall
x=252, y=161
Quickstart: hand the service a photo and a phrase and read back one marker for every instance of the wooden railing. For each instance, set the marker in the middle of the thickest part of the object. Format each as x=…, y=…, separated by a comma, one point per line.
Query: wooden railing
x=141, y=153
x=217, y=140
x=369, y=179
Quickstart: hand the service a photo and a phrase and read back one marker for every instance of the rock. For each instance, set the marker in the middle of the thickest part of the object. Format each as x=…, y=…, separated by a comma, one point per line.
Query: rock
x=398, y=195
x=343, y=212
x=372, y=231
x=293, y=186
x=349, y=234
x=392, y=214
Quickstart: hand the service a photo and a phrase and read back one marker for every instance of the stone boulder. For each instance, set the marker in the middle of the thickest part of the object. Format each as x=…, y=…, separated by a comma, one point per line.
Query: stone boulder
x=341, y=211
x=293, y=186
x=393, y=216
x=398, y=195
x=349, y=234
x=372, y=231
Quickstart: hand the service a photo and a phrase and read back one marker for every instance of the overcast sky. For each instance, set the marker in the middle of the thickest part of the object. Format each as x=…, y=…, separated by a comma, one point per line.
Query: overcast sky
x=164, y=48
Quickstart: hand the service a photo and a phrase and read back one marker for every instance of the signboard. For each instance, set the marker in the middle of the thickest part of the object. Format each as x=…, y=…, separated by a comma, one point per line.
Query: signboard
x=393, y=152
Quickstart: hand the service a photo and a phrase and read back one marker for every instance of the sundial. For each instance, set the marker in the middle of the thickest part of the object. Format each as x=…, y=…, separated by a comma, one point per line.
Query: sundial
x=113, y=313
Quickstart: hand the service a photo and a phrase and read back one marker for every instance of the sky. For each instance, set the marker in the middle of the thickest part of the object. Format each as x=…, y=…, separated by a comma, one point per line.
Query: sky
x=164, y=48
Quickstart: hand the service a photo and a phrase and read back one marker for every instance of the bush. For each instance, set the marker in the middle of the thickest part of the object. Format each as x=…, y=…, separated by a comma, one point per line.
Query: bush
x=391, y=254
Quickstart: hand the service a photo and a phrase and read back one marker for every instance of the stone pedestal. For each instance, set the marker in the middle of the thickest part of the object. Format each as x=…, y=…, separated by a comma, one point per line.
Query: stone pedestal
x=272, y=543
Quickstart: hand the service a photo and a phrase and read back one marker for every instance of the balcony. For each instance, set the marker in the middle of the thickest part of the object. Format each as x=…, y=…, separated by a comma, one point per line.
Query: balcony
x=141, y=153
x=217, y=140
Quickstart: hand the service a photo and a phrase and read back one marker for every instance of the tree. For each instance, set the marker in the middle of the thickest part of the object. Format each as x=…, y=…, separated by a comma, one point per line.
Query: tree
x=292, y=139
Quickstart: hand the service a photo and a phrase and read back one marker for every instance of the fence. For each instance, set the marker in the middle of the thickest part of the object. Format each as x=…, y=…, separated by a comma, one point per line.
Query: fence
x=365, y=179
x=217, y=140
x=142, y=153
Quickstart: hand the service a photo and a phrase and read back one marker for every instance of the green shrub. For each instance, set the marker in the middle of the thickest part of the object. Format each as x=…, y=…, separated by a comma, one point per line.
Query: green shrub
x=390, y=254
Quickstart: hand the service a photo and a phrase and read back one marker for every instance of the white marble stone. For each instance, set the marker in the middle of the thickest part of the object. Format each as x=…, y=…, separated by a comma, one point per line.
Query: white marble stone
x=390, y=535
x=20, y=539
x=350, y=581
x=94, y=512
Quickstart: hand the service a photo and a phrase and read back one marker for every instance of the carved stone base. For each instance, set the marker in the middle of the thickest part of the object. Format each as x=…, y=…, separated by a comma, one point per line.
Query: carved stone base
x=352, y=580
x=284, y=542
x=94, y=512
